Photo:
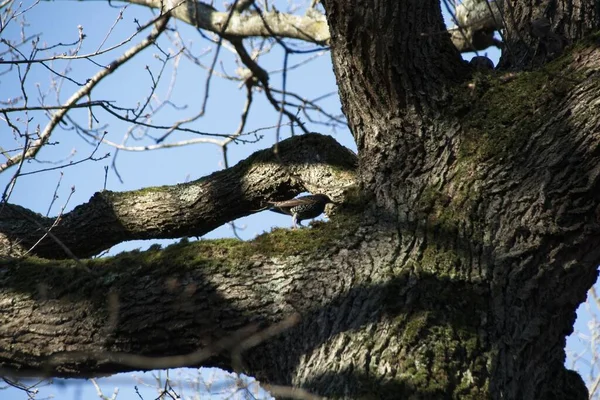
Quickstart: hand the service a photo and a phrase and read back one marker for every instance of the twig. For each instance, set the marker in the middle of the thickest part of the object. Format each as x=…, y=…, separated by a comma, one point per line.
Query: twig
x=208, y=79
x=161, y=24
x=48, y=233
x=11, y=184
x=240, y=340
x=55, y=195
x=291, y=392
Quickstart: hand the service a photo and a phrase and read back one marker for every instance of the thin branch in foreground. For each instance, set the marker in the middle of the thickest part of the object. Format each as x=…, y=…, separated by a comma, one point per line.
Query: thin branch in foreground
x=260, y=337
x=55, y=195
x=289, y=392
x=48, y=233
x=227, y=344
x=11, y=184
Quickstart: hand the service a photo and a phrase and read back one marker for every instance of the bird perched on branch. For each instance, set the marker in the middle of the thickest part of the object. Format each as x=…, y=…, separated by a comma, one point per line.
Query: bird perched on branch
x=304, y=207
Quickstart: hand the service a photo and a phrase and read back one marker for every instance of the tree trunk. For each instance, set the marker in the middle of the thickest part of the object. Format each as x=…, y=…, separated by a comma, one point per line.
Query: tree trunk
x=537, y=31
x=455, y=273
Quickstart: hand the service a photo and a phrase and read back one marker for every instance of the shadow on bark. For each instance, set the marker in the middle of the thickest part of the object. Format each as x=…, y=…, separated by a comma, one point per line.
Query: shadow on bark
x=311, y=162
x=173, y=301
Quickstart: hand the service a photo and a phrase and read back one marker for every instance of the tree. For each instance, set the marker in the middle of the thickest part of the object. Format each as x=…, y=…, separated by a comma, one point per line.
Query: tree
x=464, y=241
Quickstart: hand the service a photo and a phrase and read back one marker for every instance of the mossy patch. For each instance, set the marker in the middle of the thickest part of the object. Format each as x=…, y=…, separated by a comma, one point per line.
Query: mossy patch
x=279, y=242
x=440, y=339
x=440, y=262
x=234, y=253
x=502, y=110
x=447, y=211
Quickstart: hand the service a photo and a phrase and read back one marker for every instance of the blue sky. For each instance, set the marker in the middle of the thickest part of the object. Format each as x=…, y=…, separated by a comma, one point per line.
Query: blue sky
x=58, y=22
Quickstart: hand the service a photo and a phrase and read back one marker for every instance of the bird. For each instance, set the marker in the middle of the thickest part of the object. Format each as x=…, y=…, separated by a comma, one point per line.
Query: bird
x=303, y=207
x=482, y=63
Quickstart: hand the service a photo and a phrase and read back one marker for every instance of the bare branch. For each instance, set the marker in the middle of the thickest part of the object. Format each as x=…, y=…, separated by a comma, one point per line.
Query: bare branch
x=477, y=21
x=161, y=24
x=312, y=162
x=473, y=17
x=203, y=16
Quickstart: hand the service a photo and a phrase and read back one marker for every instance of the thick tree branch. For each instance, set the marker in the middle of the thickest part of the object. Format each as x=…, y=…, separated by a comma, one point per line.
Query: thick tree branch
x=461, y=279
x=195, y=300
x=398, y=63
x=474, y=19
x=313, y=162
x=311, y=28
x=538, y=32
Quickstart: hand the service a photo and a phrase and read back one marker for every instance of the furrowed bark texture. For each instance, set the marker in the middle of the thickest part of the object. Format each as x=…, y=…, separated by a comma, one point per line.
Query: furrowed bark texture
x=529, y=44
x=455, y=273
x=501, y=194
x=312, y=162
x=60, y=319
x=387, y=57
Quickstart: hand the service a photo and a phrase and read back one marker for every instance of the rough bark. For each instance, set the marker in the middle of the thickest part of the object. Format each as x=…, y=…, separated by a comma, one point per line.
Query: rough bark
x=60, y=319
x=455, y=273
x=496, y=189
x=566, y=22
x=314, y=163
